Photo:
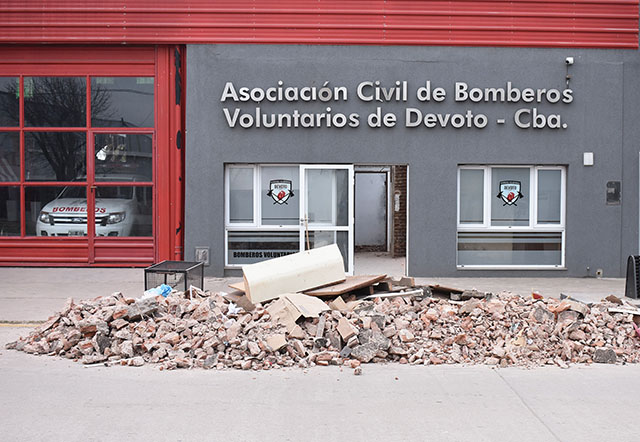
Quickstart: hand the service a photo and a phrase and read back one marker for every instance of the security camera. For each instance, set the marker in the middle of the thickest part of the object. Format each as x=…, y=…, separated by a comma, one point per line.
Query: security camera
x=568, y=60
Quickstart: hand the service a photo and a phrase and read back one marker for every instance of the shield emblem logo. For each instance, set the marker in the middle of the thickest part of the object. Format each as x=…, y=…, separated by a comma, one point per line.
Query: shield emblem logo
x=280, y=191
x=510, y=192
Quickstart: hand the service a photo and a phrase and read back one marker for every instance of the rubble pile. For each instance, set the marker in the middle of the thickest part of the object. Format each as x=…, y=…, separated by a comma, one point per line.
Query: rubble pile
x=212, y=332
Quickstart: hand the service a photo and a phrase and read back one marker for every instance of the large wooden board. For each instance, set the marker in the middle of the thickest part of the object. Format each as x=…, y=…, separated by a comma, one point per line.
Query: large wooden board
x=351, y=283
x=442, y=289
x=238, y=286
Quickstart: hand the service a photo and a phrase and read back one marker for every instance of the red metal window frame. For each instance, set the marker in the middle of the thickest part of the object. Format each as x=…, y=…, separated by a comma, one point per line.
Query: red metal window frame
x=166, y=239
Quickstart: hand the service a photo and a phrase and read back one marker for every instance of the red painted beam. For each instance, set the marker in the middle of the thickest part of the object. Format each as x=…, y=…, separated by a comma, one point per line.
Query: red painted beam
x=540, y=23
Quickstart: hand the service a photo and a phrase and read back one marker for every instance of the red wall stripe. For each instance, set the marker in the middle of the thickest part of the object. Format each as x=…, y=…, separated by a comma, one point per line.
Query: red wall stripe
x=540, y=23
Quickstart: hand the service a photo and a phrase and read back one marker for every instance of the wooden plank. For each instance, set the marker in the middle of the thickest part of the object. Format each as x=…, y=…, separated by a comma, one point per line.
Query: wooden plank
x=442, y=289
x=238, y=286
x=383, y=286
x=351, y=283
x=623, y=310
x=416, y=292
x=405, y=281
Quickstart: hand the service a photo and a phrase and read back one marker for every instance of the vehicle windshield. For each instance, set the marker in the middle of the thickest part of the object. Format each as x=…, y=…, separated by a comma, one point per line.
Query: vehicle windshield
x=105, y=192
x=72, y=192
x=115, y=192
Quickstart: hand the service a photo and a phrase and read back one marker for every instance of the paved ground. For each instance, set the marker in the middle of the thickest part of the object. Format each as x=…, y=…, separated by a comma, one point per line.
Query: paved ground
x=52, y=399
x=47, y=398
x=375, y=263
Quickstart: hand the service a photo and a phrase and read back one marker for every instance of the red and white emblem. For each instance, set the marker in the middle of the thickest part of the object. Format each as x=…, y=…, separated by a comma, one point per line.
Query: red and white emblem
x=280, y=191
x=510, y=192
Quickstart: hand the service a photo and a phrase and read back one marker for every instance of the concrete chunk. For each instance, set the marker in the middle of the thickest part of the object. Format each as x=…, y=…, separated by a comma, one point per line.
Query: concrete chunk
x=346, y=329
x=276, y=342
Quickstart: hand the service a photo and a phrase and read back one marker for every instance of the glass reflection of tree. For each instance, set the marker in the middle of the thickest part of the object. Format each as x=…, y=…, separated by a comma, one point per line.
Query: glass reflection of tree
x=63, y=151
x=58, y=102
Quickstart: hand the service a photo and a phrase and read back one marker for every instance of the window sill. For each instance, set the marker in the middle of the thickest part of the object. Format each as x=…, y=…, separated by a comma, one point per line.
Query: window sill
x=458, y=267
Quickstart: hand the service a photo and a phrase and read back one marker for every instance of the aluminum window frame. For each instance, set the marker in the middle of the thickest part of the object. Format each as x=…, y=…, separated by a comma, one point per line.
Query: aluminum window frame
x=322, y=227
x=256, y=225
x=227, y=199
x=533, y=226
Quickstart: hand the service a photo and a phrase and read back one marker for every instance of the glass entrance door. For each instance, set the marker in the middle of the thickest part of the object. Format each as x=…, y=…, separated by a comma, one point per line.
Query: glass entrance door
x=121, y=190
x=326, y=209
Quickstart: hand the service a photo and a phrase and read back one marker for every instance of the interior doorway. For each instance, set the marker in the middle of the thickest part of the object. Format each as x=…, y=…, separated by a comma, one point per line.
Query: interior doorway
x=380, y=223
x=372, y=204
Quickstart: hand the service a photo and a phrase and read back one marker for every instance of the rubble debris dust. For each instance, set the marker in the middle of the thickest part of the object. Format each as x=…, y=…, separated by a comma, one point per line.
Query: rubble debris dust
x=212, y=333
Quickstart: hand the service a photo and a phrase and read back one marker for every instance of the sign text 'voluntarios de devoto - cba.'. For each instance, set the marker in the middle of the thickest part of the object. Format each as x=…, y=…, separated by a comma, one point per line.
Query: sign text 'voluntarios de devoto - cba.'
x=373, y=92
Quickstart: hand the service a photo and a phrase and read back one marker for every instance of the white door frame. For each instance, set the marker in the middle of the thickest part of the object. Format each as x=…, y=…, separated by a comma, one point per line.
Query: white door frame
x=304, y=225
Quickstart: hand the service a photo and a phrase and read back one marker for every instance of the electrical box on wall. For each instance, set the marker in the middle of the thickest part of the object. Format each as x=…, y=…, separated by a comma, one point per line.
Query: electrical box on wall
x=202, y=255
x=613, y=193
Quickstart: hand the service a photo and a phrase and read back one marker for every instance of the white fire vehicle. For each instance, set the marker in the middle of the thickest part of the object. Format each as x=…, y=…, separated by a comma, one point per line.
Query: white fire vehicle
x=117, y=211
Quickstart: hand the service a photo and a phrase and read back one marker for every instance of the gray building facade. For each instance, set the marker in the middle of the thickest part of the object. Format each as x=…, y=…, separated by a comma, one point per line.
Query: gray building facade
x=555, y=128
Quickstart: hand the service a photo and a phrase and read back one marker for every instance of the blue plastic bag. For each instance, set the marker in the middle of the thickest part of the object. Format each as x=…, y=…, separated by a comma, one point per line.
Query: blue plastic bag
x=162, y=289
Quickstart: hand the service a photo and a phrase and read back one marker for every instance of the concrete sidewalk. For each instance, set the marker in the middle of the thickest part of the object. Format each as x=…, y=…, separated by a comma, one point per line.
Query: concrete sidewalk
x=33, y=294
x=50, y=398
x=54, y=399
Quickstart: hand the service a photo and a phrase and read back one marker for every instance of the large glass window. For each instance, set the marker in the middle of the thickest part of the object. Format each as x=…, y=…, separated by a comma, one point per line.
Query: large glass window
x=262, y=212
x=10, y=218
x=9, y=156
x=321, y=238
x=55, y=102
x=123, y=211
x=44, y=185
x=264, y=217
x=510, y=206
x=9, y=102
x=276, y=203
x=263, y=197
x=279, y=195
x=509, y=248
x=326, y=187
x=511, y=216
x=241, y=194
x=56, y=211
x=122, y=102
x=55, y=156
x=549, y=196
x=123, y=157
x=9, y=211
x=471, y=196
